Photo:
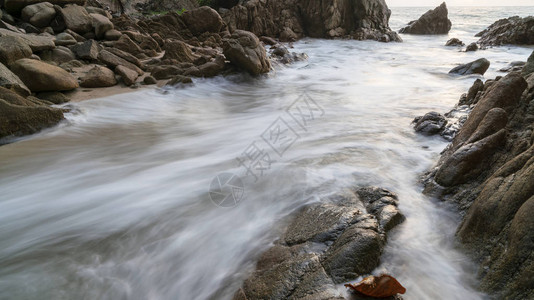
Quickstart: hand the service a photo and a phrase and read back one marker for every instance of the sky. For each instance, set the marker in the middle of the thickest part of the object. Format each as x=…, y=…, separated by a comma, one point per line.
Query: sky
x=460, y=2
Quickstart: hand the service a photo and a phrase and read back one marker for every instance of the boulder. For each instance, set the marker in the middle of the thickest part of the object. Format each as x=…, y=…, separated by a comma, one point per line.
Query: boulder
x=42, y=77
x=529, y=66
x=98, y=77
x=203, y=19
x=57, y=56
x=149, y=80
x=77, y=18
x=112, y=35
x=98, y=10
x=434, y=21
x=479, y=66
x=65, y=39
x=244, y=50
x=101, y=25
x=128, y=76
x=179, y=79
x=17, y=120
x=454, y=42
x=11, y=81
x=179, y=51
x=112, y=61
x=36, y=42
x=15, y=6
x=126, y=44
x=87, y=50
x=53, y=97
x=76, y=36
x=126, y=56
x=13, y=48
x=514, y=30
x=430, y=124
x=471, y=47
x=40, y=14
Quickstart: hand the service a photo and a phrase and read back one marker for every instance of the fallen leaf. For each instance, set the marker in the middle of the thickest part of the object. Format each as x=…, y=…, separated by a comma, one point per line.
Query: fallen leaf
x=380, y=286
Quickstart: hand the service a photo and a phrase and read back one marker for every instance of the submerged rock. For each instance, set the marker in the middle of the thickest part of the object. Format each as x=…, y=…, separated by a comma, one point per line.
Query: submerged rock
x=454, y=42
x=514, y=30
x=479, y=66
x=434, y=21
x=430, y=124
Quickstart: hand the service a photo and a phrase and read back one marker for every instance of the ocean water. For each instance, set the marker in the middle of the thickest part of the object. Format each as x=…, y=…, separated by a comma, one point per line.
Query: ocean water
x=119, y=201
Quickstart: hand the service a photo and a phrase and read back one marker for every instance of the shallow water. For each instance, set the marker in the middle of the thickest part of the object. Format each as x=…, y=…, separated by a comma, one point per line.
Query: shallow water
x=115, y=203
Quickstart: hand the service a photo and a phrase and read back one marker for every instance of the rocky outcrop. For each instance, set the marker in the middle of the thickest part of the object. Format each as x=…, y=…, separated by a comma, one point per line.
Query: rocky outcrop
x=293, y=19
x=15, y=6
x=42, y=77
x=514, y=30
x=434, y=21
x=244, y=50
x=11, y=81
x=13, y=48
x=325, y=244
x=488, y=171
x=479, y=66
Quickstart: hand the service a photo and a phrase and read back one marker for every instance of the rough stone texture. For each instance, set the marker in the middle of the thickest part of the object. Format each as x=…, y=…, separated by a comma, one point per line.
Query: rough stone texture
x=471, y=47
x=179, y=51
x=324, y=244
x=294, y=19
x=97, y=77
x=11, y=81
x=87, y=50
x=529, y=66
x=112, y=61
x=112, y=35
x=65, y=39
x=15, y=6
x=430, y=124
x=203, y=19
x=36, y=43
x=434, y=21
x=454, y=42
x=77, y=18
x=495, y=189
x=13, y=48
x=101, y=25
x=40, y=14
x=514, y=30
x=53, y=97
x=42, y=77
x=57, y=56
x=128, y=76
x=245, y=51
x=479, y=66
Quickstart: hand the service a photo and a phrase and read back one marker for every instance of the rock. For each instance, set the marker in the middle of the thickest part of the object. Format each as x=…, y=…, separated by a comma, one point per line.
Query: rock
x=166, y=71
x=28, y=28
x=36, y=43
x=87, y=50
x=13, y=48
x=112, y=61
x=478, y=86
x=128, y=76
x=149, y=80
x=40, y=14
x=514, y=30
x=245, y=51
x=112, y=35
x=479, y=66
x=101, y=24
x=57, y=56
x=454, y=42
x=126, y=44
x=11, y=81
x=65, y=39
x=471, y=47
x=76, y=36
x=126, y=56
x=430, y=124
x=15, y=6
x=42, y=77
x=515, y=66
x=167, y=5
x=434, y=21
x=180, y=79
x=98, y=10
x=203, y=19
x=529, y=66
x=76, y=18
x=179, y=51
x=97, y=77
x=54, y=97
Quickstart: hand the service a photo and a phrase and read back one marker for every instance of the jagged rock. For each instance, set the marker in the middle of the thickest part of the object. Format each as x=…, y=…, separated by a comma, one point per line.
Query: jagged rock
x=42, y=77
x=245, y=51
x=479, y=66
x=434, y=21
x=514, y=66
x=57, y=56
x=77, y=18
x=203, y=19
x=179, y=51
x=478, y=86
x=471, y=47
x=87, y=50
x=53, y=97
x=529, y=66
x=126, y=44
x=514, y=30
x=101, y=25
x=430, y=124
x=65, y=39
x=36, y=43
x=180, y=79
x=40, y=14
x=15, y=6
x=126, y=56
x=11, y=81
x=454, y=42
x=112, y=61
x=128, y=76
x=97, y=77
x=13, y=48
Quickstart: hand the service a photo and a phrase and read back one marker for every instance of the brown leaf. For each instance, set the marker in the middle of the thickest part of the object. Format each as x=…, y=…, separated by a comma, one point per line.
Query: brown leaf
x=380, y=287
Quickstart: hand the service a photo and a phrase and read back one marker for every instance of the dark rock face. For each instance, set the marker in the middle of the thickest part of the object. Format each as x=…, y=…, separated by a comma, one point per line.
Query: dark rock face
x=430, y=124
x=471, y=47
x=203, y=19
x=454, y=42
x=434, y=21
x=325, y=244
x=13, y=48
x=488, y=170
x=514, y=30
x=293, y=19
x=479, y=66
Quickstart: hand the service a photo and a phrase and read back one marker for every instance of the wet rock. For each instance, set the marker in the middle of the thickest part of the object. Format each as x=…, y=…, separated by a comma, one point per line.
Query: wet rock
x=166, y=71
x=430, y=124
x=97, y=77
x=149, y=80
x=42, y=77
x=101, y=25
x=454, y=42
x=128, y=76
x=16, y=120
x=434, y=21
x=471, y=47
x=479, y=66
x=180, y=79
x=87, y=50
x=65, y=39
x=203, y=19
x=11, y=81
x=40, y=14
x=515, y=66
x=13, y=48
x=36, y=43
x=514, y=30
x=77, y=18
x=245, y=51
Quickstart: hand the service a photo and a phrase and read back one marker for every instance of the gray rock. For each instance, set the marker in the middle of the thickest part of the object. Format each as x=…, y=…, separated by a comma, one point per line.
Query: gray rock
x=434, y=21
x=179, y=79
x=245, y=51
x=101, y=25
x=430, y=124
x=65, y=39
x=98, y=10
x=13, y=48
x=529, y=67
x=42, y=77
x=40, y=14
x=36, y=43
x=514, y=30
x=454, y=42
x=15, y=6
x=112, y=61
x=479, y=66
x=76, y=18
x=87, y=50
x=98, y=77
x=149, y=80
x=471, y=47
x=57, y=56
x=112, y=35
x=11, y=81
x=128, y=76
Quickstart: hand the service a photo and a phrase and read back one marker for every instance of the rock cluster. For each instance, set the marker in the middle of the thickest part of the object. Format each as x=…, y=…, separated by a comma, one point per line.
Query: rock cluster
x=488, y=171
x=325, y=244
x=435, y=21
x=514, y=30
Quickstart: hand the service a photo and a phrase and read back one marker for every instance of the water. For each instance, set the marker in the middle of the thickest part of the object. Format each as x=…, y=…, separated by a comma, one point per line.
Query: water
x=114, y=204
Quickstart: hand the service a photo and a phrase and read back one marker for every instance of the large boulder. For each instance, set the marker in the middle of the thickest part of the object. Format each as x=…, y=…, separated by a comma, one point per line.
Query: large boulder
x=101, y=24
x=11, y=81
x=128, y=76
x=15, y=6
x=58, y=55
x=13, y=48
x=434, y=21
x=203, y=19
x=97, y=77
x=42, y=77
x=36, y=42
x=479, y=66
x=40, y=14
x=514, y=30
x=244, y=50
x=179, y=51
x=77, y=18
